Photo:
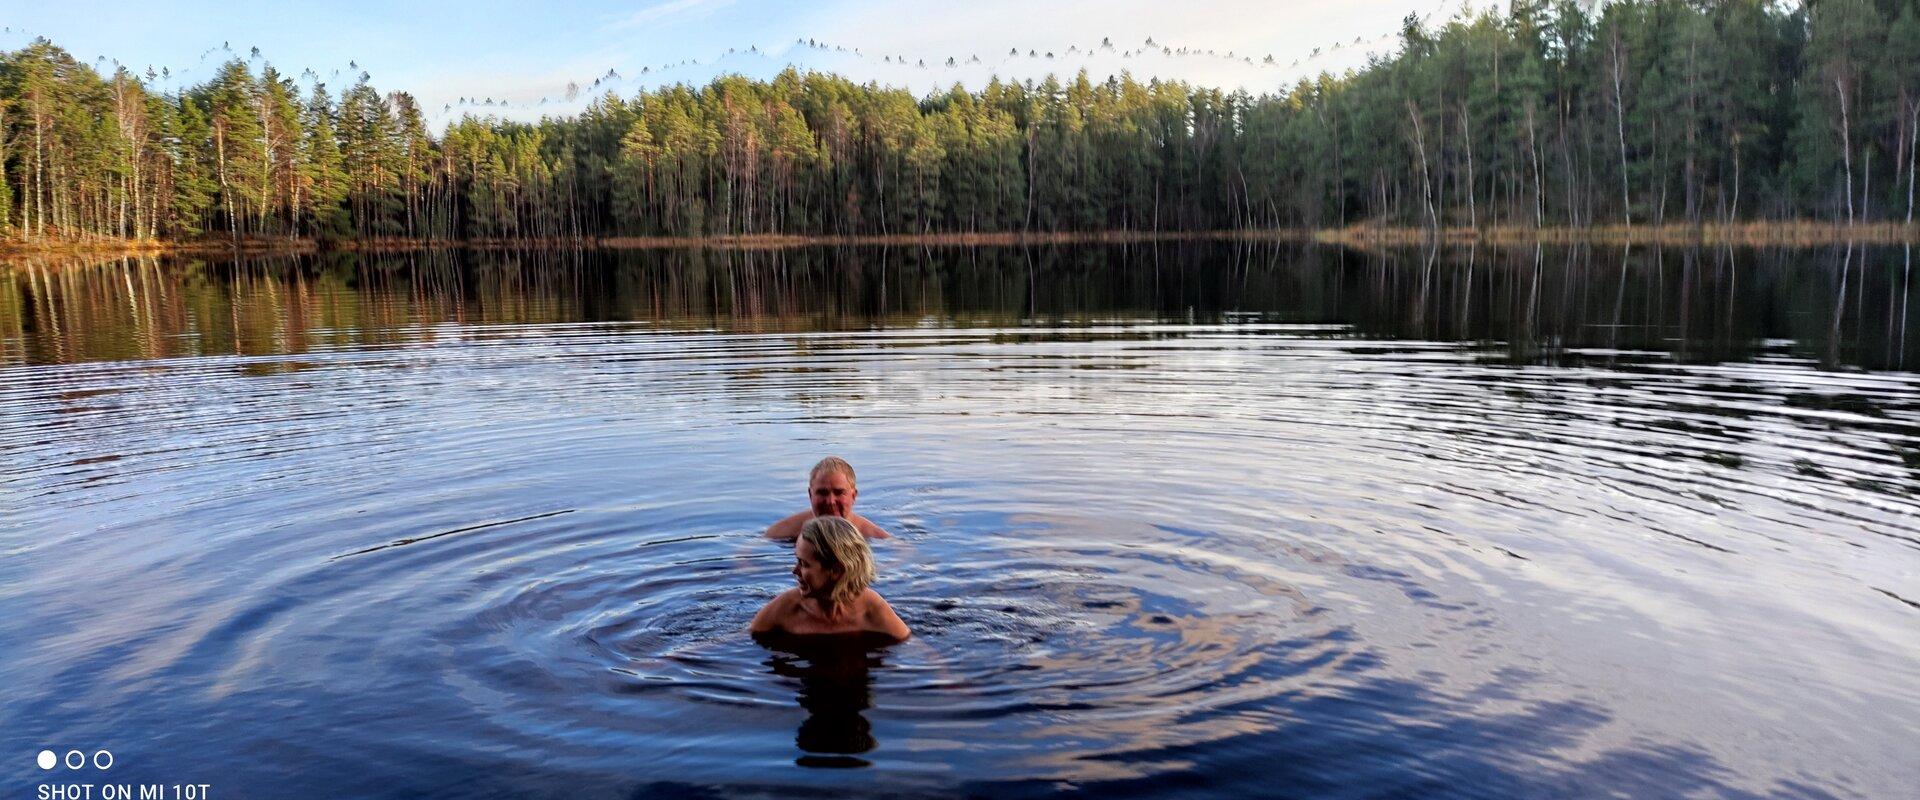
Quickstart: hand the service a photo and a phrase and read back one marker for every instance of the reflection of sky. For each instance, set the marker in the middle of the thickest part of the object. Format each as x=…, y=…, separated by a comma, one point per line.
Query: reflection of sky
x=442, y=50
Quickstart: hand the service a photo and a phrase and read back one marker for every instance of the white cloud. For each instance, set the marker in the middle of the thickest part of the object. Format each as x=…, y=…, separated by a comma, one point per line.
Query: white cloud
x=892, y=39
x=1290, y=32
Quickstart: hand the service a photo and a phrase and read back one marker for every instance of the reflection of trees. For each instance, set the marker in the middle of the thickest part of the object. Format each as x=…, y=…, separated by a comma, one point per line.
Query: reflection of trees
x=835, y=686
x=1696, y=304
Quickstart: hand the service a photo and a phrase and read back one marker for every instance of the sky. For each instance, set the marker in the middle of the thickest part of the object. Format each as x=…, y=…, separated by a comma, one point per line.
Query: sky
x=455, y=56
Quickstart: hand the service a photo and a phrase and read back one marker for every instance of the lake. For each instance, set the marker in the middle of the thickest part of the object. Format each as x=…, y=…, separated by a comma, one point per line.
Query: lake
x=1216, y=519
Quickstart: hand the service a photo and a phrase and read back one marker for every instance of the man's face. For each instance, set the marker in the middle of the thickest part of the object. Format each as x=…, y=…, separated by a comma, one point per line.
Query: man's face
x=831, y=495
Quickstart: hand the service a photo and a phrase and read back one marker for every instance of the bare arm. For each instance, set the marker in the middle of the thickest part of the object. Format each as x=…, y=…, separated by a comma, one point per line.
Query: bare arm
x=881, y=619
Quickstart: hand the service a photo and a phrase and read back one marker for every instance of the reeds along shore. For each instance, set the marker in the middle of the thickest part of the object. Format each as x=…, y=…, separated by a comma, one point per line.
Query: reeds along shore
x=1796, y=233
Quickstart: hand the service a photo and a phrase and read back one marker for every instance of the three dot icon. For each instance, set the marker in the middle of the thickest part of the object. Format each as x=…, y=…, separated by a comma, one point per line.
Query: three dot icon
x=75, y=759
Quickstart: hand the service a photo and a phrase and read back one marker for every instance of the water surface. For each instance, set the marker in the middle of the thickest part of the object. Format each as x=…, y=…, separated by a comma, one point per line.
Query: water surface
x=1226, y=520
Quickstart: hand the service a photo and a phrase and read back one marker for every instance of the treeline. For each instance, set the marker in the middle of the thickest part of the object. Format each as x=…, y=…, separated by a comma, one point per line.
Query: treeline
x=1647, y=111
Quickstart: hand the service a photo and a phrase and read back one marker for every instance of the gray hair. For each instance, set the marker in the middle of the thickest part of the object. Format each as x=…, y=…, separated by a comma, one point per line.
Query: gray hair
x=833, y=464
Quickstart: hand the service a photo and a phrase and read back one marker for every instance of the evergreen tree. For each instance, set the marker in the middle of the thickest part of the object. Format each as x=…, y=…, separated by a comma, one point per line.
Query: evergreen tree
x=1638, y=111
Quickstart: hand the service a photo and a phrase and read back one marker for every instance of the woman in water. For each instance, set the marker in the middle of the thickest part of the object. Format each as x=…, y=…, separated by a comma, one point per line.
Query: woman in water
x=833, y=566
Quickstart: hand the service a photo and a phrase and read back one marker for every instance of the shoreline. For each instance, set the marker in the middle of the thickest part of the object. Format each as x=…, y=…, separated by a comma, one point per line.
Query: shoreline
x=1796, y=233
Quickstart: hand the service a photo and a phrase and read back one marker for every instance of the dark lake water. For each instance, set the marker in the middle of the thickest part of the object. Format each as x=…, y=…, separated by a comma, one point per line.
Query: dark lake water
x=1217, y=520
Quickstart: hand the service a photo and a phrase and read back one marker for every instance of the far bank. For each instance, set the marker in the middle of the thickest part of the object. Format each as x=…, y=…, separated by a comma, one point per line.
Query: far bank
x=1794, y=233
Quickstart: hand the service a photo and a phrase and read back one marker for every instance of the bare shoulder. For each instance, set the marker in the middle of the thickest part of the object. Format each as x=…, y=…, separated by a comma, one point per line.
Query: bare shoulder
x=871, y=602
x=870, y=530
x=775, y=612
x=878, y=616
x=789, y=528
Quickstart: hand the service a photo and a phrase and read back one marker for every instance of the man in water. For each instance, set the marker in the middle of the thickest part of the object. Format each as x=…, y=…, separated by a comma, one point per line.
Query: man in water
x=830, y=492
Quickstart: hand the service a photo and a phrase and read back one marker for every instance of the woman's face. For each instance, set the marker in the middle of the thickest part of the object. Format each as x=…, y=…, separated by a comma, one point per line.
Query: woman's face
x=814, y=579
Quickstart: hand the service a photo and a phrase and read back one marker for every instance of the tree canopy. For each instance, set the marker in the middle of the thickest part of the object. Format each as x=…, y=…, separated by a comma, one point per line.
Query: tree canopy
x=1653, y=111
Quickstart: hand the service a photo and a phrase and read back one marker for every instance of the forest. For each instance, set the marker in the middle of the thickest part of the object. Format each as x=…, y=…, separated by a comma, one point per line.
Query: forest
x=1642, y=112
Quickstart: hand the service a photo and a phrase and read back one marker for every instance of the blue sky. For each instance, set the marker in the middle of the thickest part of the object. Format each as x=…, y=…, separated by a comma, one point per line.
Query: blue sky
x=443, y=51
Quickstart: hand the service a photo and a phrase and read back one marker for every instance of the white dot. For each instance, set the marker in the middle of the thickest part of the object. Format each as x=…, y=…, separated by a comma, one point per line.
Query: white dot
x=48, y=759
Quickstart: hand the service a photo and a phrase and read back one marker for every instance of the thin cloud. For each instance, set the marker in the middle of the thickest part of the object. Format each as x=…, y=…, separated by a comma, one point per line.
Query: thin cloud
x=669, y=9
x=1303, y=38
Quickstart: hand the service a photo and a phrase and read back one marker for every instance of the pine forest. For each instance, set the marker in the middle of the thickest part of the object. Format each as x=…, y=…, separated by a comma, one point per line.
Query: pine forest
x=1644, y=112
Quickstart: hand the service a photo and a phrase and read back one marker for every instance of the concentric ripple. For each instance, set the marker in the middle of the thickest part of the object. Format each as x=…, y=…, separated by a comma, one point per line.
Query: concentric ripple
x=1252, y=558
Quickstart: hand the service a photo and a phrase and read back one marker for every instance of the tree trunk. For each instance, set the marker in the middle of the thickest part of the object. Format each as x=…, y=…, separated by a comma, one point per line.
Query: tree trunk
x=220, y=155
x=39, y=172
x=1539, y=188
x=1620, y=124
x=1913, y=141
x=1466, y=131
x=1426, y=176
x=266, y=158
x=1866, y=185
x=1846, y=145
x=1733, y=211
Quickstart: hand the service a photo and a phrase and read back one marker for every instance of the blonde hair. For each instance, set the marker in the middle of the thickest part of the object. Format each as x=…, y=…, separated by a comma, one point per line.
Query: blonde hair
x=841, y=547
x=833, y=464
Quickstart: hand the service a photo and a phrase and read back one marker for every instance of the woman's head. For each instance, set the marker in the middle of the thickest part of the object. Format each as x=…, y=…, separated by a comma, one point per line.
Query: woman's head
x=832, y=561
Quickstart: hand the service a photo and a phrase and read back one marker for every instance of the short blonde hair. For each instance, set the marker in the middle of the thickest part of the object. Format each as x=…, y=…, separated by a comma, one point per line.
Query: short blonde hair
x=840, y=546
x=833, y=464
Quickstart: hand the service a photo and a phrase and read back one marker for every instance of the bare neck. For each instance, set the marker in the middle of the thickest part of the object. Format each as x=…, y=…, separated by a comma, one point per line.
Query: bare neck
x=826, y=608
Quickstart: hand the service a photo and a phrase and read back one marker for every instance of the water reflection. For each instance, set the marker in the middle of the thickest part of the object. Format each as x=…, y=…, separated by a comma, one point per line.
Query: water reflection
x=1422, y=523
x=1838, y=306
x=835, y=686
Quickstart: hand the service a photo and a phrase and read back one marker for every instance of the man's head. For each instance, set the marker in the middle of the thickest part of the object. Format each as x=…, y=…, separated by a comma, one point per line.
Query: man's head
x=830, y=488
